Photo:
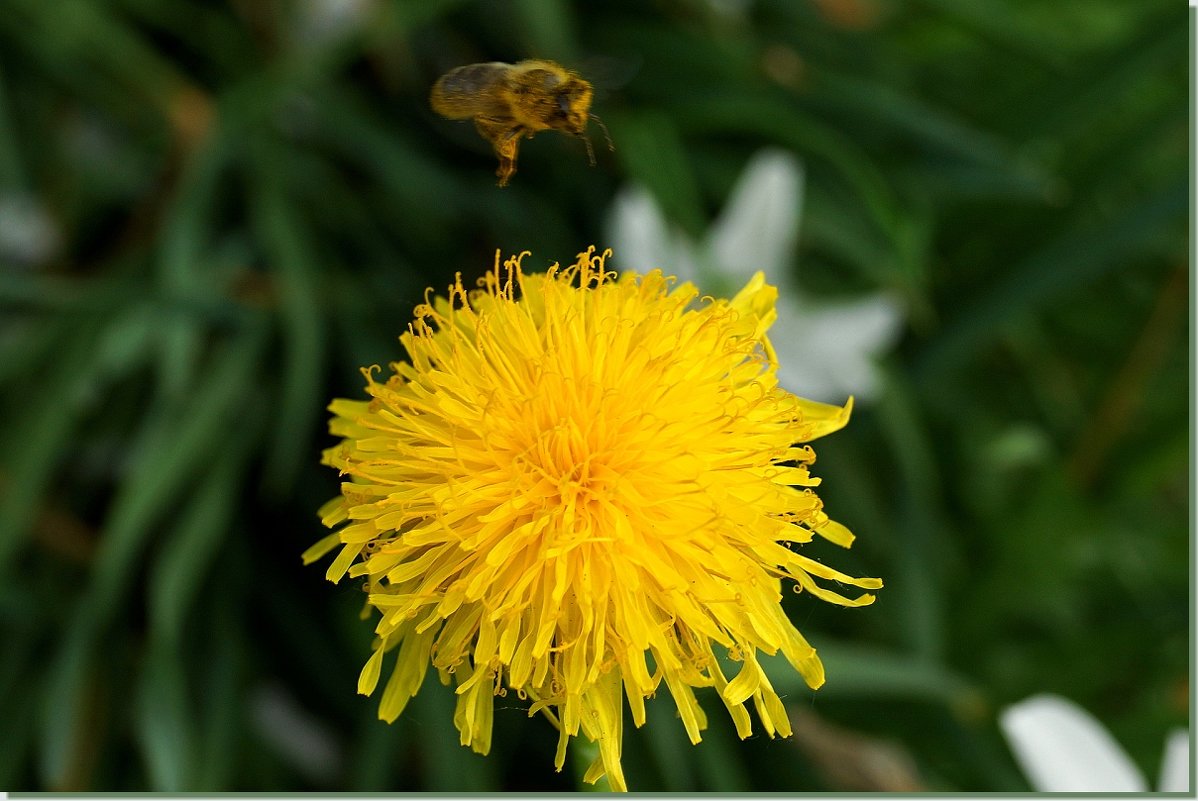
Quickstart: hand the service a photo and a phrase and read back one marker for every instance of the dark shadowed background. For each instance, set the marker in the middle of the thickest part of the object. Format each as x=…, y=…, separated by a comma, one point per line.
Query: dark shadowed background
x=211, y=214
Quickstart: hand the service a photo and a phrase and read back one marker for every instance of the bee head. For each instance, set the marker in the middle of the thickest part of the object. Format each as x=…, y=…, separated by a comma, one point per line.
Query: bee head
x=573, y=104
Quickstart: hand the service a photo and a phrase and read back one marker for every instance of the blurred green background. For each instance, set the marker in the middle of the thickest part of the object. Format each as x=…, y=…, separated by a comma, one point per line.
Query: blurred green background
x=211, y=214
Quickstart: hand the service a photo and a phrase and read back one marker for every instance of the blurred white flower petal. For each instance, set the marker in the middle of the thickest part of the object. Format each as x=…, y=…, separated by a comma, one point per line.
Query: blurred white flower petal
x=642, y=239
x=760, y=223
x=319, y=23
x=28, y=235
x=732, y=10
x=825, y=351
x=1175, y=767
x=1062, y=748
x=638, y=230
x=294, y=733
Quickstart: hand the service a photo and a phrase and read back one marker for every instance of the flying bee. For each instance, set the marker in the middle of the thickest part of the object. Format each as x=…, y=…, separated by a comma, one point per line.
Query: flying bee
x=510, y=101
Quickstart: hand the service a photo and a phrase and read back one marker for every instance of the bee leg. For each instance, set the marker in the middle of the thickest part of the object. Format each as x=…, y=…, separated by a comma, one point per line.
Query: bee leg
x=505, y=139
x=506, y=151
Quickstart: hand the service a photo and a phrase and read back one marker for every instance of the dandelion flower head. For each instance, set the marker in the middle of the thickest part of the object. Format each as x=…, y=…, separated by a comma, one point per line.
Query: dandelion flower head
x=578, y=487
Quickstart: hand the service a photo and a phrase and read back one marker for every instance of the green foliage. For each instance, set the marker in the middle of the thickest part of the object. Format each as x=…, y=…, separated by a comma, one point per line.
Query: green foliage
x=211, y=214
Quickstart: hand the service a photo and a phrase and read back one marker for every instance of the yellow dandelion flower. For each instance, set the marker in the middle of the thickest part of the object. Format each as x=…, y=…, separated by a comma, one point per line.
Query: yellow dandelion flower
x=577, y=487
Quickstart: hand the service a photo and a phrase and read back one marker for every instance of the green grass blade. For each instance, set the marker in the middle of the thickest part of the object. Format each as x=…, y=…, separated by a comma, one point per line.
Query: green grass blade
x=666, y=740
x=653, y=154
x=1073, y=260
x=172, y=449
x=718, y=759
x=42, y=434
x=180, y=568
x=860, y=671
x=549, y=28
x=180, y=265
x=919, y=511
x=220, y=718
x=449, y=767
x=61, y=722
x=165, y=721
x=290, y=253
x=12, y=169
x=774, y=117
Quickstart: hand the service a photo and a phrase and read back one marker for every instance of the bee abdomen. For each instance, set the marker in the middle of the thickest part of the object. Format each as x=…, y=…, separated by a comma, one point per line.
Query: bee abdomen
x=471, y=79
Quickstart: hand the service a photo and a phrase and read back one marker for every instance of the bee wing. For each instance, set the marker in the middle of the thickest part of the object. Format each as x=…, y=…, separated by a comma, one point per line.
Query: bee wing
x=471, y=91
x=608, y=74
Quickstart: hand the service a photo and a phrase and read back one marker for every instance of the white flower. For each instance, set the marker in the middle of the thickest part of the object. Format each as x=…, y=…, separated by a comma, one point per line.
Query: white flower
x=825, y=351
x=319, y=23
x=1063, y=748
x=28, y=235
x=294, y=733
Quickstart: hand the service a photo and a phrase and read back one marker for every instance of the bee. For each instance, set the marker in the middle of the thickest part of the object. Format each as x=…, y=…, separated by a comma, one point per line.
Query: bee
x=510, y=101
